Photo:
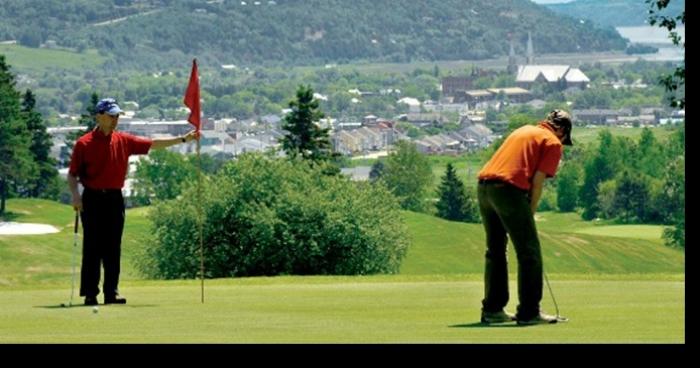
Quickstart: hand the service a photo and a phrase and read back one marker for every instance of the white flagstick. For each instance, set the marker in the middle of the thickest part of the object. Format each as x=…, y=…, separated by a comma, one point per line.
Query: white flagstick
x=75, y=247
x=199, y=213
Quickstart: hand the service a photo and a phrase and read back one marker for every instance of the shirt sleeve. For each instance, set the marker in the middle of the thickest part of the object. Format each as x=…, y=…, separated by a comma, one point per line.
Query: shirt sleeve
x=139, y=145
x=549, y=162
x=76, y=160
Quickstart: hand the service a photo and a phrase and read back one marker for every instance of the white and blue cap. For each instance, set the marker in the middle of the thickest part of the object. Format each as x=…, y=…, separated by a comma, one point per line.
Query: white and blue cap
x=108, y=106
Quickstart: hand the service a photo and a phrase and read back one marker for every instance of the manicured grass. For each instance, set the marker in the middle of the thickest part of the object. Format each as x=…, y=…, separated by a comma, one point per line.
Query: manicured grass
x=373, y=309
x=626, y=231
x=614, y=289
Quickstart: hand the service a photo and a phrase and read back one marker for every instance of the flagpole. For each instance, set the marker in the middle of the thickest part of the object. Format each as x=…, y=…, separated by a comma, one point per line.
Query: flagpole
x=192, y=101
x=201, y=222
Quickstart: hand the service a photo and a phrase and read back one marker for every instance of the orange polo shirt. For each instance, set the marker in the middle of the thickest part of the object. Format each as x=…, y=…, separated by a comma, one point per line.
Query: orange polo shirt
x=526, y=150
x=102, y=161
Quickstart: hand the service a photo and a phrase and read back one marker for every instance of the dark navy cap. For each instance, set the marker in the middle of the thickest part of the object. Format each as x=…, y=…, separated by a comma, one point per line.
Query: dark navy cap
x=108, y=106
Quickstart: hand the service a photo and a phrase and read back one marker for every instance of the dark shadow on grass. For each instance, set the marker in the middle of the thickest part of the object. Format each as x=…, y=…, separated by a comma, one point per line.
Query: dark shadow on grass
x=9, y=216
x=482, y=325
x=66, y=306
x=62, y=306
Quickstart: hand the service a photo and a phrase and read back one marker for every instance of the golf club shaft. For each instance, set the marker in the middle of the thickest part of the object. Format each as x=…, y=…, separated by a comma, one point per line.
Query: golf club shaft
x=556, y=307
x=75, y=246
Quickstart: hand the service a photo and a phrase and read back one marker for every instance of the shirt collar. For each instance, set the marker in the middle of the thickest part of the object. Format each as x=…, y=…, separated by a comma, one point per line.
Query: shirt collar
x=545, y=125
x=97, y=133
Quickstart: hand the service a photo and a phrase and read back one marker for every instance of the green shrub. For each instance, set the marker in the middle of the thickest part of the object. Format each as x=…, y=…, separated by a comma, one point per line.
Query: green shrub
x=266, y=216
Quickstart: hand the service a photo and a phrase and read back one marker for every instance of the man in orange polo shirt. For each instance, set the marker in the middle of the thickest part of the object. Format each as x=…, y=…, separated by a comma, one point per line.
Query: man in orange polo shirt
x=510, y=186
x=100, y=162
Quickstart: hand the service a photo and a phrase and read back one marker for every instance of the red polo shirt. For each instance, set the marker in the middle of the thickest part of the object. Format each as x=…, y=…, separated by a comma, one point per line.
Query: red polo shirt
x=526, y=150
x=102, y=161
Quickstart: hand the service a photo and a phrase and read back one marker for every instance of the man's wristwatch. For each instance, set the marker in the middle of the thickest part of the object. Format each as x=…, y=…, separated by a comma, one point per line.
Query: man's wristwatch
x=183, y=139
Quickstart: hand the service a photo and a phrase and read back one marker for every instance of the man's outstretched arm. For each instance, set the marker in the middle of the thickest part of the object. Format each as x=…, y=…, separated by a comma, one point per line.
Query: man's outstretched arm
x=167, y=142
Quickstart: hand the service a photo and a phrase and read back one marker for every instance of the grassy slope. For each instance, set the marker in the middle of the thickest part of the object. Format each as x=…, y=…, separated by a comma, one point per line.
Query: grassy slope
x=27, y=59
x=46, y=259
x=570, y=246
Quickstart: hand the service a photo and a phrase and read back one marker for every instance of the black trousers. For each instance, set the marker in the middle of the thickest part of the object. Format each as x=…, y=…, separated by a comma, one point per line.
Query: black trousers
x=505, y=212
x=103, y=224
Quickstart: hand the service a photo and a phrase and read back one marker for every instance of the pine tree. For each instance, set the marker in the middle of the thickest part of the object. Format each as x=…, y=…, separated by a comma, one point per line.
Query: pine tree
x=304, y=138
x=15, y=158
x=87, y=120
x=454, y=203
x=44, y=184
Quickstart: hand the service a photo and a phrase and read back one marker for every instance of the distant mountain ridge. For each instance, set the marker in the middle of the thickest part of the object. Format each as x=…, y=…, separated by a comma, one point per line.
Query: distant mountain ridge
x=613, y=13
x=296, y=32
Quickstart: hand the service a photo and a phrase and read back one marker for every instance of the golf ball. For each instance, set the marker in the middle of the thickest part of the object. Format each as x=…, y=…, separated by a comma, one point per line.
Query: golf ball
x=95, y=309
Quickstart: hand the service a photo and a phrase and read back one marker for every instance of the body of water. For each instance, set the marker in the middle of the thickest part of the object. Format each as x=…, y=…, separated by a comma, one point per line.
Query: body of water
x=648, y=34
x=655, y=36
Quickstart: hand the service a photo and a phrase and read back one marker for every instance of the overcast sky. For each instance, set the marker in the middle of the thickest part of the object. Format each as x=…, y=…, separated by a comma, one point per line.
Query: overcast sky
x=551, y=1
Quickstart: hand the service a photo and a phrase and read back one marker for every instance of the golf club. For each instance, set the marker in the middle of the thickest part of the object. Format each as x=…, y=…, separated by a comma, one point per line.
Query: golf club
x=75, y=246
x=560, y=318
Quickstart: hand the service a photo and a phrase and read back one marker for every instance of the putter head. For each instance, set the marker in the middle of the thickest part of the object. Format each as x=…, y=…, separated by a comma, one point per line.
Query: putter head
x=562, y=319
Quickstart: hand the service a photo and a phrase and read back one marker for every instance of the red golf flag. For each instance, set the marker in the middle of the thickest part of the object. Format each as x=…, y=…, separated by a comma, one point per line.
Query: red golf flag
x=192, y=97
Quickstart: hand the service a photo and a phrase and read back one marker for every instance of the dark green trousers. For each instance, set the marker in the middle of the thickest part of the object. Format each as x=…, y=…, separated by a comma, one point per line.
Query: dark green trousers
x=505, y=212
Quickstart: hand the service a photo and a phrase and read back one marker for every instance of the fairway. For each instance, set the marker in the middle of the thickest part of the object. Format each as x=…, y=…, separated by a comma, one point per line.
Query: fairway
x=625, y=231
x=374, y=309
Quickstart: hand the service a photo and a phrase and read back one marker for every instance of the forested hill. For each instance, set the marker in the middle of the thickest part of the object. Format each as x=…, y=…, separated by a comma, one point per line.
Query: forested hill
x=143, y=33
x=614, y=13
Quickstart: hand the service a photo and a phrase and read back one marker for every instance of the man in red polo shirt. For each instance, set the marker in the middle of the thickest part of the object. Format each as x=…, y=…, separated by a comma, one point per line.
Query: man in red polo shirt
x=510, y=186
x=100, y=162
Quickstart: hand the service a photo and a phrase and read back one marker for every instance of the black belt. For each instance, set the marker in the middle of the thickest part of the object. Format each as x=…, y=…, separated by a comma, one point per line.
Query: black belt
x=498, y=181
x=103, y=191
x=492, y=181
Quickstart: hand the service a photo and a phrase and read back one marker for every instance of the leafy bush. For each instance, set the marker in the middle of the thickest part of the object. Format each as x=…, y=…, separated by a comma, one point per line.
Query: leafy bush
x=408, y=174
x=266, y=216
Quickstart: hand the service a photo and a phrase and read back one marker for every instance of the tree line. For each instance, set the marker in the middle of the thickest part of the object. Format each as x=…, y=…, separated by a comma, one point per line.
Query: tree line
x=26, y=168
x=295, y=32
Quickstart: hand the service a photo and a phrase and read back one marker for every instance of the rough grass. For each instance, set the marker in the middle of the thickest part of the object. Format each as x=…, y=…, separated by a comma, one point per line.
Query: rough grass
x=42, y=60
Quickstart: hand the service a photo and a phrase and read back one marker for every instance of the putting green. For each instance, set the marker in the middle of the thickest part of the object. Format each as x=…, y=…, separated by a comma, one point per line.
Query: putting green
x=374, y=309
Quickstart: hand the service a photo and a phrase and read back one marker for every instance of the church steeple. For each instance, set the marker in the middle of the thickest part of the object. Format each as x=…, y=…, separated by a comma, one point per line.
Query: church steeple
x=512, y=62
x=530, y=51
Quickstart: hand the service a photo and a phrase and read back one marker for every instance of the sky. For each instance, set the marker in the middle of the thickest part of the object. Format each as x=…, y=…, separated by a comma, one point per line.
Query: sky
x=551, y=1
